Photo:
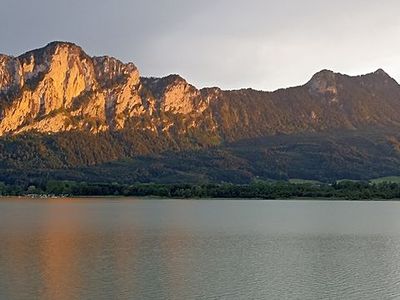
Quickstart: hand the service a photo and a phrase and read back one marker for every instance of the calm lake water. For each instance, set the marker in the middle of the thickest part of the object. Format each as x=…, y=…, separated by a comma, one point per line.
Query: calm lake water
x=198, y=249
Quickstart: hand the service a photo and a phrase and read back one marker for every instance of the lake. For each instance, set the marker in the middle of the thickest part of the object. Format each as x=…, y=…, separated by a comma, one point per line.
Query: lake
x=125, y=248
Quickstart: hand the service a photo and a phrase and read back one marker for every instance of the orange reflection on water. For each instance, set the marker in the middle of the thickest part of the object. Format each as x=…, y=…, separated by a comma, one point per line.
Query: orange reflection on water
x=59, y=250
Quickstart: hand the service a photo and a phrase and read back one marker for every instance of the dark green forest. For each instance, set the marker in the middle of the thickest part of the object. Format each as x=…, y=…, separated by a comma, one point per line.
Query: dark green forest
x=110, y=157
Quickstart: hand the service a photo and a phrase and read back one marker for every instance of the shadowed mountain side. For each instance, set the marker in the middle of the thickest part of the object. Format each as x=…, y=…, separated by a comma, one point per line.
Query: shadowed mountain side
x=324, y=156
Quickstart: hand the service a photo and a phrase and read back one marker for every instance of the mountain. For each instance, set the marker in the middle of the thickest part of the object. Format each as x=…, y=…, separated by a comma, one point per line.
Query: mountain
x=66, y=114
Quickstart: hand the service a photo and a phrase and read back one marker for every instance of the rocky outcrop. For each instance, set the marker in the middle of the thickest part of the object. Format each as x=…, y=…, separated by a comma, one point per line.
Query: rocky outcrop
x=60, y=88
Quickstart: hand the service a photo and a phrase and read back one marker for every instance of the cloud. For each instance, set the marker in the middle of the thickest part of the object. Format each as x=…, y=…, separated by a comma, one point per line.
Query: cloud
x=232, y=44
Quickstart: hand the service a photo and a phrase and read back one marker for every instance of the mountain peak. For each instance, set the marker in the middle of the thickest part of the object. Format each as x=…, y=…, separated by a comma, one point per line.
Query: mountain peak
x=323, y=82
x=381, y=73
x=53, y=48
x=159, y=85
x=323, y=75
x=380, y=77
x=62, y=44
x=324, y=72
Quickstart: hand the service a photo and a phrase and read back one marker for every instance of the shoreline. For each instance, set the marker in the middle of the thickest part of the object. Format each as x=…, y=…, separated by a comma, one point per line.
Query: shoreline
x=121, y=197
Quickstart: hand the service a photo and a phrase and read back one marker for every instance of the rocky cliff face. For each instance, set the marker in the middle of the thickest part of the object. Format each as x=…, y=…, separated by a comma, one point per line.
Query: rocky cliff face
x=59, y=88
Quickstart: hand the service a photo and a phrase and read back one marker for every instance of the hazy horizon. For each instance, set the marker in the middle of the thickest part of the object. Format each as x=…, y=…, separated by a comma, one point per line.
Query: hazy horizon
x=264, y=45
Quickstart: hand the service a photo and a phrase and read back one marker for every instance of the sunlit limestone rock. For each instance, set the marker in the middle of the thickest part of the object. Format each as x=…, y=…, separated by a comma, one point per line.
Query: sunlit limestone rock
x=60, y=88
x=175, y=95
x=10, y=74
x=50, y=79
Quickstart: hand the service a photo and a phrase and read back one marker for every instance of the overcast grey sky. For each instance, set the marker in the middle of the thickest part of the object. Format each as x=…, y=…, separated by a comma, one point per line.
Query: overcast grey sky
x=262, y=44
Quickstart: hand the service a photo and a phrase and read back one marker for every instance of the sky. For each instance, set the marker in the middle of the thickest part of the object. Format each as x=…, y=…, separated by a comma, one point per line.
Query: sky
x=232, y=44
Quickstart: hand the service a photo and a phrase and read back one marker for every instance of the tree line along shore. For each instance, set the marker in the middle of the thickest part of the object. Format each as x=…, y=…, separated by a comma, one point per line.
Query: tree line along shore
x=256, y=190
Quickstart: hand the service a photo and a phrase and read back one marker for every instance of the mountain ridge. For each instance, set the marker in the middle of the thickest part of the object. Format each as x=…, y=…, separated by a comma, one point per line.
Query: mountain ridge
x=61, y=108
x=60, y=76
